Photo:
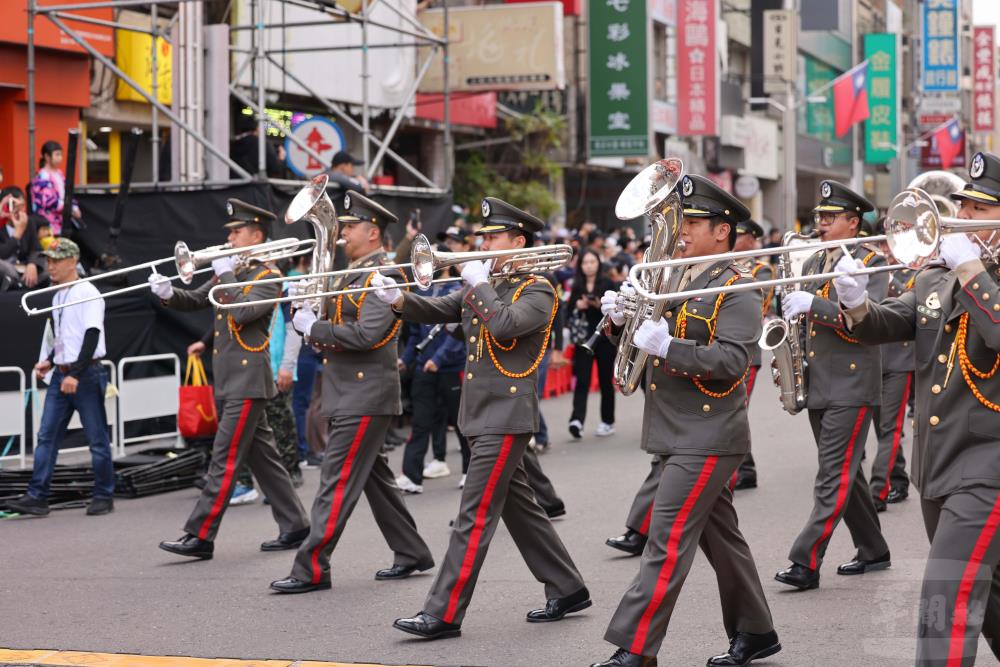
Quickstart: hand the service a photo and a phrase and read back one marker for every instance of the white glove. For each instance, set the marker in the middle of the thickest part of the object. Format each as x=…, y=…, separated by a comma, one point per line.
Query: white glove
x=159, y=284
x=851, y=290
x=387, y=290
x=795, y=304
x=223, y=264
x=653, y=337
x=475, y=273
x=610, y=307
x=303, y=320
x=957, y=249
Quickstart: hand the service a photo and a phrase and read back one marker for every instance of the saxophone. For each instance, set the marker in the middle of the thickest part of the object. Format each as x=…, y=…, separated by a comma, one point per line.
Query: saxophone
x=783, y=339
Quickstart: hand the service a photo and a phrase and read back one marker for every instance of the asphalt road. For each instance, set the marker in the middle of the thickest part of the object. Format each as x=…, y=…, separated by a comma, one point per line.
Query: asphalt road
x=100, y=583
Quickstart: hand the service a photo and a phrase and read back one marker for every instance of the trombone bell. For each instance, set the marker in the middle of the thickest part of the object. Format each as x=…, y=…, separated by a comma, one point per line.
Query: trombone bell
x=184, y=260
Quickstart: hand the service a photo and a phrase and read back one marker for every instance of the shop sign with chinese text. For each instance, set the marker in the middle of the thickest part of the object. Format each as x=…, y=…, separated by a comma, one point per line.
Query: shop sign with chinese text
x=697, y=68
x=881, y=135
x=984, y=76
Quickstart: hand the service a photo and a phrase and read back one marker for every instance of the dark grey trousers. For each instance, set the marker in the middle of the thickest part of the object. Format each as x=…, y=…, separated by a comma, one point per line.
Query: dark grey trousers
x=641, y=512
x=540, y=483
x=889, y=468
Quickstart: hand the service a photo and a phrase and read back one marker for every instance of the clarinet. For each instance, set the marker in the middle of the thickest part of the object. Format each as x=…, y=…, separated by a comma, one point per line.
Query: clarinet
x=430, y=336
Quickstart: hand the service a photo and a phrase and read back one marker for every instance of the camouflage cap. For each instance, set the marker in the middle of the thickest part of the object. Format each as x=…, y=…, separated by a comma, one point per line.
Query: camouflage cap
x=61, y=248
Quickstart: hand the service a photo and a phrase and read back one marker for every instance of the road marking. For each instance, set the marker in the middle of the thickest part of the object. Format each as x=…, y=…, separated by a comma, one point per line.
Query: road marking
x=51, y=658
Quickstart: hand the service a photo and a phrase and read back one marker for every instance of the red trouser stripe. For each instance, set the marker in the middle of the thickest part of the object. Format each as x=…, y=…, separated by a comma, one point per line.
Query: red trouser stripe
x=472, y=548
x=961, y=615
x=751, y=379
x=227, y=478
x=644, y=528
x=897, y=435
x=338, y=498
x=842, y=489
x=670, y=560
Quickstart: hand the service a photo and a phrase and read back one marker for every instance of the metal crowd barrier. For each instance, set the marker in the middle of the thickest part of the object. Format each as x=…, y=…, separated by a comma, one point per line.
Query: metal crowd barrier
x=148, y=397
x=12, y=407
x=38, y=388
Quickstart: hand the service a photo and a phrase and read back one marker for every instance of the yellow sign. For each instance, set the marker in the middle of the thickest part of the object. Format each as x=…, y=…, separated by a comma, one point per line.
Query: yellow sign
x=133, y=55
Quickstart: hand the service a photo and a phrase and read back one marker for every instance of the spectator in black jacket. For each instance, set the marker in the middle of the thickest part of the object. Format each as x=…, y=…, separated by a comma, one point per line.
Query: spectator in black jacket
x=21, y=261
x=243, y=149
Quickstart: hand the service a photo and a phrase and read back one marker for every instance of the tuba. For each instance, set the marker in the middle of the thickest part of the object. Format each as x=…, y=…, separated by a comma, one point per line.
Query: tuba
x=783, y=339
x=652, y=193
x=313, y=205
x=940, y=185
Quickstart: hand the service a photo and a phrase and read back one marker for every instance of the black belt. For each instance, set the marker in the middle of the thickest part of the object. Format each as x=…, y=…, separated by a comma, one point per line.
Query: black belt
x=65, y=368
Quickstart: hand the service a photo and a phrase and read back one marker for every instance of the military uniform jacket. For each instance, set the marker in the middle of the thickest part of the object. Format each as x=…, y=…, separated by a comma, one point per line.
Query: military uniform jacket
x=955, y=434
x=358, y=343
x=696, y=396
x=840, y=372
x=241, y=351
x=506, y=323
x=898, y=357
x=762, y=271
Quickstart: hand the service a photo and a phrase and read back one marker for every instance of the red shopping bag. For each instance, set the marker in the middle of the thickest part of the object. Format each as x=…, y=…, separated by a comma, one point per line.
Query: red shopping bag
x=196, y=416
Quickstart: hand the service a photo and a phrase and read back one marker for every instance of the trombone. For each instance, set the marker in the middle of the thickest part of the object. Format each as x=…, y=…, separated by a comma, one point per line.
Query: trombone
x=425, y=261
x=188, y=264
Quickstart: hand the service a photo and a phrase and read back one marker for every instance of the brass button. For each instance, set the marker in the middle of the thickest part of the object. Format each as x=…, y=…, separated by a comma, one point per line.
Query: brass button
x=326, y=361
x=656, y=362
x=942, y=358
x=706, y=408
x=813, y=333
x=668, y=314
x=219, y=316
x=472, y=339
x=853, y=366
x=996, y=306
x=936, y=389
x=986, y=296
x=947, y=328
x=975, y=285
x=513, y=390
x=812, y=353
x=472, y=357
x=215, y=351
x=819, y=292
x=468, y=376
x=694, y=311
x=906, y=343
x=652, y=386
x=243, y=361
x=361, y=375
x=934, y=420
x=486, y=310
x=217, y=333
x=475, y=320
x=923, y=320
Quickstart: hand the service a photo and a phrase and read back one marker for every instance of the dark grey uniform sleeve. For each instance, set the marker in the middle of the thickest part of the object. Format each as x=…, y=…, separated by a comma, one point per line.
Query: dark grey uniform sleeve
x=727, y=357
x=827, y=311
x=887, y=322
x=432, y=309
x=191, y=299
x=981, y=298
x=530, y=313
x=373, y=325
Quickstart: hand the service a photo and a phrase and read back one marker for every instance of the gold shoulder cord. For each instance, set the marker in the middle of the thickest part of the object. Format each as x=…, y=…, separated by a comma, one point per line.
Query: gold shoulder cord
x=825, y=293
x=680, y=330
x=766, y=304
x=967, y=367
x=491, y=341
x=234, y=329
x=338, y=316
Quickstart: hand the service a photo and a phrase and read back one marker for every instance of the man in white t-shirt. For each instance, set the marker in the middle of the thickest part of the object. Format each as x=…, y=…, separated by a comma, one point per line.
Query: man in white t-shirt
x=71, y=351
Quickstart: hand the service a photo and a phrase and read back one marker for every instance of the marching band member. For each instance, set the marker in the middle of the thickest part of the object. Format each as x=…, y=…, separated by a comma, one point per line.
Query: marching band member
x=952, y=314
x=507, y=322
x=695, y=419
x=241, y=361
x=361, y=396
x=844, y=384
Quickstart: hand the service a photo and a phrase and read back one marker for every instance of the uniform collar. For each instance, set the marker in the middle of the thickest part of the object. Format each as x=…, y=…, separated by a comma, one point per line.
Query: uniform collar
x=360, y=261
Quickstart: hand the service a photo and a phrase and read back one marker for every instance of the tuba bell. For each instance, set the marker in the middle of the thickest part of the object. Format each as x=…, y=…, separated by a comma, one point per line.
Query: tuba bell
x=312, y=205
x=940, y=185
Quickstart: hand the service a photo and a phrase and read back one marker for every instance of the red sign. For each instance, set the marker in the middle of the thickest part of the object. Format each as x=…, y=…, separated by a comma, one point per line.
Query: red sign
x=697, y=68
x=930, y=156
x=984, y=75
x=14, y=28
x=570, y=7
x=477, y=110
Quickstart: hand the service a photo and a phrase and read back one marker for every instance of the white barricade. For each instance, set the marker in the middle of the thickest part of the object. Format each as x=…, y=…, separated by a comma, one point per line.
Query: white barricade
x=12, y=407
x=38, y=390
x=148, y=397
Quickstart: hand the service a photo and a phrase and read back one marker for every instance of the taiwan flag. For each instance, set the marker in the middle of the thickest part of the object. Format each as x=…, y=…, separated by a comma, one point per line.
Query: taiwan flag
x=850, y=98
x=949, y=140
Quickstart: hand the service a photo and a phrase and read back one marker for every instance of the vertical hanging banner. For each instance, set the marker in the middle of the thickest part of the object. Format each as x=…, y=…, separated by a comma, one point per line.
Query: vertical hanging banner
x=940, y=61
x=697, y=68
x=882, y=124
x=780, y=49
x=619, y=90
x=984, y=75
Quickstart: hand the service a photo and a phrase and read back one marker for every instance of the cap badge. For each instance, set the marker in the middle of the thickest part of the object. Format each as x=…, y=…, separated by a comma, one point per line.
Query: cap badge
x=486, y=209
x=825, y=190
x=347, y=202
x=978, y=166
x=687, y=186
x=229, y=208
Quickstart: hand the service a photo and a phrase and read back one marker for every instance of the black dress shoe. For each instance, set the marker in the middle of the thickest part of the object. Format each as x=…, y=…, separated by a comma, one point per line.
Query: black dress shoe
x=191, y=546
x=293, y=585
x=29, y=505
x=427, y=626
x=897, y=495
x=555, y=512
x=99, y=506
x=859, y=566
x=631, y=542
x=744, y=648
x=623, y=658
x=557, y=608
x=746, y=482
x=400, y=571
x=799, y=576
x=880, y=505
x=286, y=541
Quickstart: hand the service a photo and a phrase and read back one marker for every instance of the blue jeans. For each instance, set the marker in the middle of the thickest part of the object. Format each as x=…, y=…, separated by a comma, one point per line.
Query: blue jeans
x=308, y=368
x=542, y=436
x=88, y=401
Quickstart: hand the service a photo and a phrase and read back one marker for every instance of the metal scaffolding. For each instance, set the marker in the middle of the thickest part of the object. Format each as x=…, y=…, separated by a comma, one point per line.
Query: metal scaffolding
x=411, y=35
